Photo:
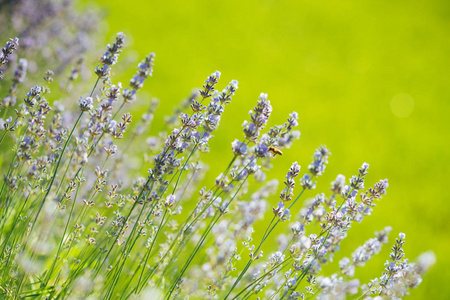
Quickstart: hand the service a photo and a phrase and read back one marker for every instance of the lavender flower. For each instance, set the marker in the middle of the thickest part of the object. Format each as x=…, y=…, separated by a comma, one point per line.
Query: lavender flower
x=145, y=69
x=287, y=193
x=209, y=86
x=317, y=167
x=239, y=148
x=77, y=211
x=9, y=48
x=364, y=253
x=259, y=117
x=307, y=183
x=110, y=57
x=86, y=104
x=19, y=77
x=170, y=201
x=281, y=212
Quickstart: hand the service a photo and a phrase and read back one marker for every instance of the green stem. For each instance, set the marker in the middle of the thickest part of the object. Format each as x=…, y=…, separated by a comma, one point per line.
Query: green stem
x=205, y=234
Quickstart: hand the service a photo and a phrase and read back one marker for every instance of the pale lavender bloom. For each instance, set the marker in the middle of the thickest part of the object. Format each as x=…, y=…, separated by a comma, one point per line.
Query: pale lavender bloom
x=357, y=182
x=287, y=193
x=261, y=150
x=170, y=201
x=9, y=48
x=293, y=171
x=110, y=57
x=425, y=261
x=379, y=188
x=19, y=77
x=225, y=96
x=250, y=130
x=210, y=118
x=8, y=125
x=170, y=181
x=33, y=96
x=112, y=95
x=292, y=121
x=317, y=167
x=312, y=208
x=49, y=76
x=21, y=71
x=196, y=106
x=112, y=54
x=259, y=117
x=338, y=184
x=252, y=167
x=275, y=259
x=364, y=253
x=399, y=276
x=86, y=104
x=254, y=256
x=103, y=71
x=298, y=229
x=212, y=122
x=110, y=148
x=239, y=148
x=363, y=170
x=282, y=136
x=145, y=69
x=210, y=82
x=397, y=250
x=335, y=287
x=281, y=212
x=307, y=183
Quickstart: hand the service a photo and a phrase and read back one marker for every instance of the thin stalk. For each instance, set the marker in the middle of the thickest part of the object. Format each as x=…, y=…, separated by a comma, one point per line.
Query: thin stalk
x=265, y=236
x=63, y=236
x=6, y=131
x=260, y=278
x=56, y=170
x=187, y=227
x=202, y=240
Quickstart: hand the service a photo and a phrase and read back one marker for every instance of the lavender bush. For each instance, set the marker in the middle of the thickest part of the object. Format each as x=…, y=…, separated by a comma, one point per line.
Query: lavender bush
x=78, y=222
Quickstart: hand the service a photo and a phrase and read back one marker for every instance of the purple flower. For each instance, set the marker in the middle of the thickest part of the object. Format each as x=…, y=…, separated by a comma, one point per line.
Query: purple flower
x=210, y=82
x=86, y=104
x=338, y=184
x=170, y=201
x=363, y=169
x=307, y=183
x=9, y=48
x=261, y=150
x=317, y=167
x=239, y=148
x=293, y=170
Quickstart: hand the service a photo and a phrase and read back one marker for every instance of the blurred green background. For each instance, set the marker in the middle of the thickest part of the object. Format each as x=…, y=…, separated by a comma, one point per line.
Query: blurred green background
x=369, y=79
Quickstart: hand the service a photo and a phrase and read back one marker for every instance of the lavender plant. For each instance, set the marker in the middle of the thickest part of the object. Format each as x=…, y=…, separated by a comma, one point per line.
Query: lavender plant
x=77, y=222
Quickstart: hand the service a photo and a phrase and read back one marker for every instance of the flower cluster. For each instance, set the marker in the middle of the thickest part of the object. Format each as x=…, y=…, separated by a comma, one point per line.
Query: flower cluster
x=145, y=69
x=110, y=57
x=81, y=220
x=399, y=275
x=258, y=118
x=9, y=48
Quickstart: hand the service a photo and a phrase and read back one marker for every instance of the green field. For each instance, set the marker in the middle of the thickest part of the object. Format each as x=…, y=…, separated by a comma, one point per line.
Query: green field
x=369, y=79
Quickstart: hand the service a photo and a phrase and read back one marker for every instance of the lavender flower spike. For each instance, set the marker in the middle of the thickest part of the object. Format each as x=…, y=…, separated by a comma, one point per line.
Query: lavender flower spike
x=9, y=48
x=239, y=148
x=258, y=118
x=110, y=57
x=145, y=69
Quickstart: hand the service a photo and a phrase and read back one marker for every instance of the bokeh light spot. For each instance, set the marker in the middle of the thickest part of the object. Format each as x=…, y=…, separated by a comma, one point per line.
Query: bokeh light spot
x=402, y=105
